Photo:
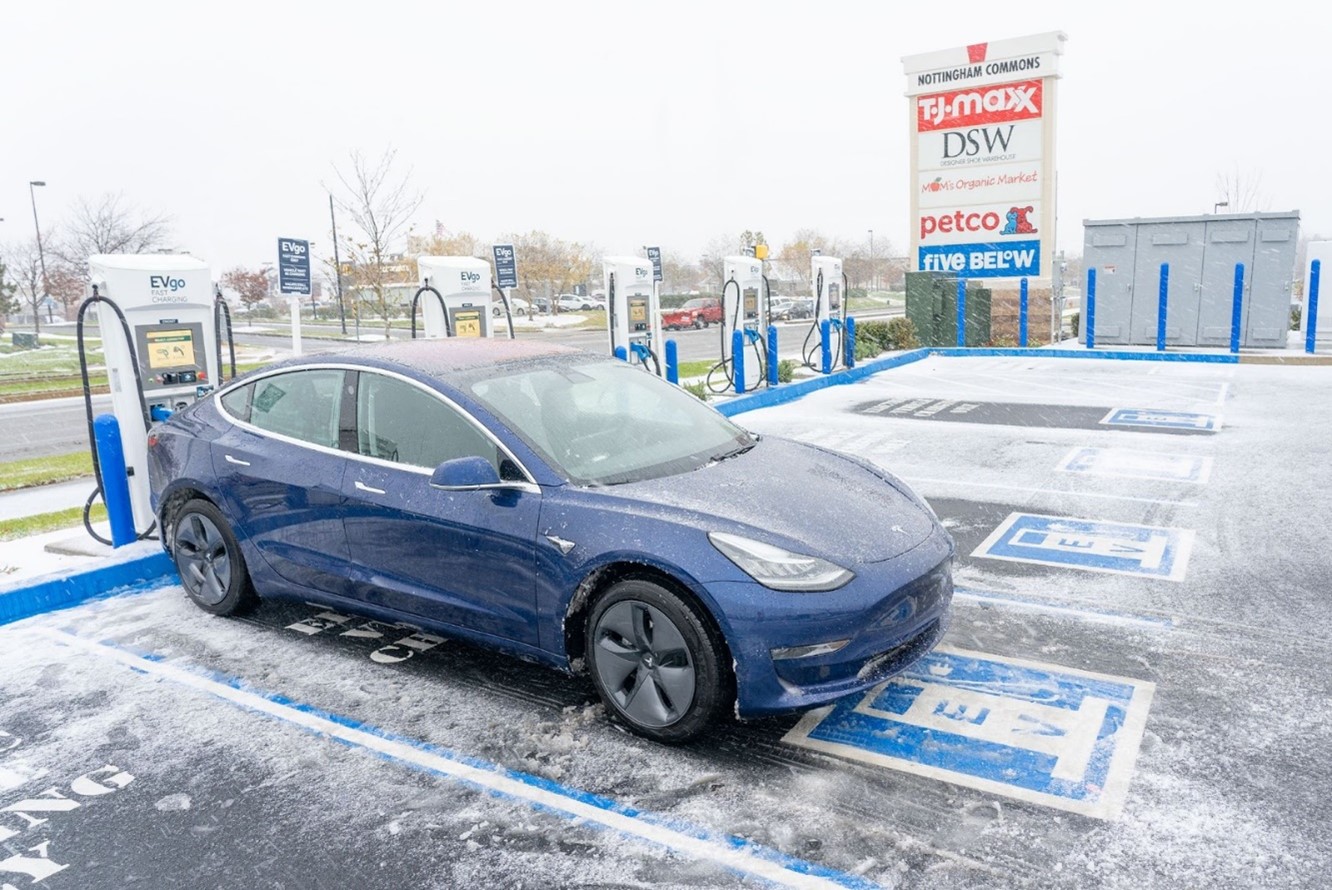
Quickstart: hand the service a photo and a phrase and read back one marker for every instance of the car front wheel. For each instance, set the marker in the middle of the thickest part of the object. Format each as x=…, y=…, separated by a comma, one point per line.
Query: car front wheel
x=658, y=667
x=208, y=557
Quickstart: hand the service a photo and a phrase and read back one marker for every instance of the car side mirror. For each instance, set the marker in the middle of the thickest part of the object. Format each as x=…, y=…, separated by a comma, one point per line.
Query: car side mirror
x=465, y=472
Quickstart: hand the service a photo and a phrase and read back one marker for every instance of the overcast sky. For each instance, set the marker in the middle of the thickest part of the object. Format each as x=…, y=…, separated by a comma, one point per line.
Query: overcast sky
x=624, y=124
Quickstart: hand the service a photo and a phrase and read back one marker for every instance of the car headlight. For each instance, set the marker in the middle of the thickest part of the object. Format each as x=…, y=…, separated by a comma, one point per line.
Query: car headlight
x=780, y=569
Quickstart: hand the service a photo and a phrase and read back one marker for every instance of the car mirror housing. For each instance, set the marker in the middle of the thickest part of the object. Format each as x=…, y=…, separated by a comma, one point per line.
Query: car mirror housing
x=464, y=473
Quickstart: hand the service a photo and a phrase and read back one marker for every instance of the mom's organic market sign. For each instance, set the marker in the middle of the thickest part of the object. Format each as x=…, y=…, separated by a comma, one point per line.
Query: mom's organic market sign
x=982, y=157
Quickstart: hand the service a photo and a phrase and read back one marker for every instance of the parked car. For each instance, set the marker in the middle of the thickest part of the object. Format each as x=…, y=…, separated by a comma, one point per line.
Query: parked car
x=575, y=303
x=780, y=308
x=560, y=506
x=541, y=304
x=517, y=305
x=698, y=312
x=802, y=307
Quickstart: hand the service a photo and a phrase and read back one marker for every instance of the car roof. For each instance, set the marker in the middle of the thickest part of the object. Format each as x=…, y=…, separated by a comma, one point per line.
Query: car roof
x=441, y=358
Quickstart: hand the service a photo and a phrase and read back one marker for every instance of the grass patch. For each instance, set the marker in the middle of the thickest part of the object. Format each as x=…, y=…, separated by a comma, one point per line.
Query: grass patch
x=44, y=470
x=696, y=368
x=12, y=529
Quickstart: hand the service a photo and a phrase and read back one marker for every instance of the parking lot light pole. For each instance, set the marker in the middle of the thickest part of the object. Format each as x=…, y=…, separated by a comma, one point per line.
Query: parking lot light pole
x=41, y=254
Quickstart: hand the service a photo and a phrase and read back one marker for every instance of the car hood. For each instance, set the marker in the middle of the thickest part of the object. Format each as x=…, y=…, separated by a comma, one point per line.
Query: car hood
x=815, y=501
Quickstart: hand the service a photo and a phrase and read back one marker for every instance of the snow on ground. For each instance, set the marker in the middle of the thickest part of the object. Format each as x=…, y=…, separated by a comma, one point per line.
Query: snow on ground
x=1230, y=790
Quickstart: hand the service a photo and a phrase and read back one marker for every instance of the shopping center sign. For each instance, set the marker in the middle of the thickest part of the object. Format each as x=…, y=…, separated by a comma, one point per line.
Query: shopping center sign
x=982, y=157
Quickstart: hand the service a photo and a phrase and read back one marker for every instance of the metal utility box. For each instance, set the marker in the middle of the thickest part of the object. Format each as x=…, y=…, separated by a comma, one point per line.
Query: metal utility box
x=1202, y=252
x=931, y=307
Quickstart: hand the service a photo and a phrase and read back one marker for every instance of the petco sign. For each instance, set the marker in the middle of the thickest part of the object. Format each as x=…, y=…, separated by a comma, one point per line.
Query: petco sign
x=982, y=149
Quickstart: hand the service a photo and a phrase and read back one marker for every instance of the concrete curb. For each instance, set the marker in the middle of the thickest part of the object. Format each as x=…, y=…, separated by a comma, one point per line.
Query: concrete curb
x=790, y=392
x=139, y=565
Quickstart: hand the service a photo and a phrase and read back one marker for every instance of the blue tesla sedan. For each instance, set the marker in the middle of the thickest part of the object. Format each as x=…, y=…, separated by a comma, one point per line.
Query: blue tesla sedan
x=561, y=506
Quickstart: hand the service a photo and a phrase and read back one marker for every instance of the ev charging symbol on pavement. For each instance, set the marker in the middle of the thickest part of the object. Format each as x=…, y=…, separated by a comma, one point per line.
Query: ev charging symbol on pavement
x=1169, y=420
x=1089, y=545
x=1041, y=733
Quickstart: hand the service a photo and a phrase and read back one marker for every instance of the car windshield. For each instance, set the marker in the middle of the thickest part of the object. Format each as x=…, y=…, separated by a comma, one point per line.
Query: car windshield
x=601, y=422
x=696, y=304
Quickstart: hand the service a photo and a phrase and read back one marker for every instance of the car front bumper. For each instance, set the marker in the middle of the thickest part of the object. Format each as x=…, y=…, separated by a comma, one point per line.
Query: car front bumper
x=878, y=625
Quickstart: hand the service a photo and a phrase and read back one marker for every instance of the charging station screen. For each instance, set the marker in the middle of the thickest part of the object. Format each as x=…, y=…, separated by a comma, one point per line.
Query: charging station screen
x=751, y=302
x=638, y=314
x=467, y=322
x=170, y=349
x=834, y=296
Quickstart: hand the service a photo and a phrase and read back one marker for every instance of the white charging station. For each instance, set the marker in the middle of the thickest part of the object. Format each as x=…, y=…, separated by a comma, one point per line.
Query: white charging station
x=744, y=303
x=825, y=276
x=632, y=312
x=167, y=301
x=464, y=283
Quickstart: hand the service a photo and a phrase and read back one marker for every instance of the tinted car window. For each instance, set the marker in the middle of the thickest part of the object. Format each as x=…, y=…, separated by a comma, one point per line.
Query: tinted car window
x=299, y=404
x=237, y=402
x=399, y=422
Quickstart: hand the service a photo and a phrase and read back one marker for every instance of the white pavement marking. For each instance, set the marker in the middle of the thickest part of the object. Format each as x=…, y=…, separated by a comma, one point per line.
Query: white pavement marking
x=1096, y=615
x=725, y=852
x=967, y=483
x=1130, y=463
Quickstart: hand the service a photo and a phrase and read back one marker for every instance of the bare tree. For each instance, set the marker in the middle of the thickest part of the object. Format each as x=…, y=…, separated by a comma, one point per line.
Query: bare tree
x=1241, y=191
x=25, y=268
x=108, y=225
x=8, y=304
x=548, y=266
x=380, y=204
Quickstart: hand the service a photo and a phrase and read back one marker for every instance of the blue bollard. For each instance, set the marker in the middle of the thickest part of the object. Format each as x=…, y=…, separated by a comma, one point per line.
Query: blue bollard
x=1161, y=308
x=672, y=362
x=850, y=358
x=772, y=355
x=115, y=479
x=1090, y=320
x=825, y=345
x=961, y=312
x=1022, y=313
x=621, y=353
x=738, y=360
x=1311, y=306
x=1237, y=308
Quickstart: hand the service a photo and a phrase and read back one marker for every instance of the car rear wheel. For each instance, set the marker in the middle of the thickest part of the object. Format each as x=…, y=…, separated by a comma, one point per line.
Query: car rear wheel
x=208, y=557
x=656, y=665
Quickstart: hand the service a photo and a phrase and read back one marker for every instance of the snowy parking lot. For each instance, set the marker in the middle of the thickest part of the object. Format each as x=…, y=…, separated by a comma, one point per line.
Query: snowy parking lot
x=1133, y=691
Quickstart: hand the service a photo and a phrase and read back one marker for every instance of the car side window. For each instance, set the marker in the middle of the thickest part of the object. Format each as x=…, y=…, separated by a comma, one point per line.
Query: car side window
x=300, y=404
x=237, y=402
x=399, y=422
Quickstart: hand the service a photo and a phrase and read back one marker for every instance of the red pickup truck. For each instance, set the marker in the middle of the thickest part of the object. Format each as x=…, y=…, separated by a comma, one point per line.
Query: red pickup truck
x=696, y=313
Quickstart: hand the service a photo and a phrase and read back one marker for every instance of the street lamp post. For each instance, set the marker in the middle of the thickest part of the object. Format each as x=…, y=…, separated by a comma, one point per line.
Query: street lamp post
x=41, y=254
x=337, y=266
x=1218, y=205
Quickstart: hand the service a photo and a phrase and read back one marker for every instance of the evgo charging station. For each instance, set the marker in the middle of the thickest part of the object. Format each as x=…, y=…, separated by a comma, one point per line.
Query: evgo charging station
x=160, y=358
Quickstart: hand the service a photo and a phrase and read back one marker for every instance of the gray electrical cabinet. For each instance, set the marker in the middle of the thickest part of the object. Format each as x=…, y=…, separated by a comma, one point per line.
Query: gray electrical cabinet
x=1202, y=252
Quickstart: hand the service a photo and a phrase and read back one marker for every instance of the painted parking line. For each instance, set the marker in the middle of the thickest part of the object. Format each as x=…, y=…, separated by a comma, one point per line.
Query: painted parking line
x=732, y=853
x=1162, y=420
x=1127, y=463
x=1082, y=613
x=1045, y=734
x=1146, y=551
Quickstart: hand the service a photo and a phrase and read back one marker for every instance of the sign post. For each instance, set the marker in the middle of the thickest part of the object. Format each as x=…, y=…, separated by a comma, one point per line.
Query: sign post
x=506, y=271
x=294, y=281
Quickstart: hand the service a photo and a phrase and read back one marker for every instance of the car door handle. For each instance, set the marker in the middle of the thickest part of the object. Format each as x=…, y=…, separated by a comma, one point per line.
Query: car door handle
x=237, y=461
x=361, y=486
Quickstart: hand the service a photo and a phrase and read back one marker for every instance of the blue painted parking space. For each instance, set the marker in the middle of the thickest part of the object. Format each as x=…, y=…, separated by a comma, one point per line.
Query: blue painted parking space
x=1051, y=735
x=1089, y=545
x=1152, y=418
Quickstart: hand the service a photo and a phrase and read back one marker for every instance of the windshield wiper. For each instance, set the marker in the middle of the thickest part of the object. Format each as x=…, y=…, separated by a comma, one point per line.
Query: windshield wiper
x=734, y=452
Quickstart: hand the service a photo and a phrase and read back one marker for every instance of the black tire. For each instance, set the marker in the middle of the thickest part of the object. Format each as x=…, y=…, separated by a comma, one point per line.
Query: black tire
x=208, y=557
x=698, y=324
x=643, y=638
